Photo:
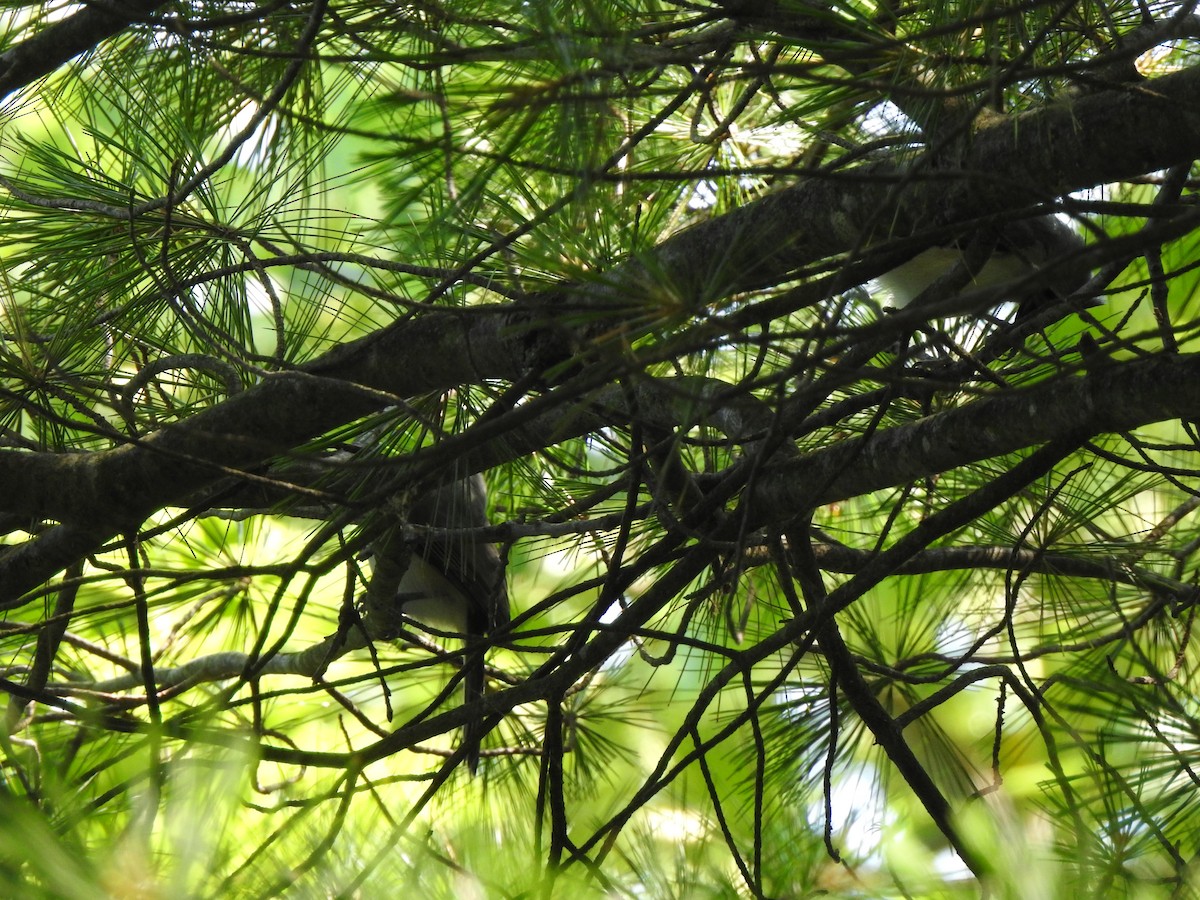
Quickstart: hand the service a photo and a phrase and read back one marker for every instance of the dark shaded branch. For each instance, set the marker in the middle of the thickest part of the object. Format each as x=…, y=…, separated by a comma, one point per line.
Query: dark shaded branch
x=60, y=42
x=1118, y=398
x=1108, y=568
x=1029, y=158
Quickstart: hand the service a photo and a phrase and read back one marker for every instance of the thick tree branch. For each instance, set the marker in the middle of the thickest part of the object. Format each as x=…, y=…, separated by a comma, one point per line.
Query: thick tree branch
x=1030, y=158
x=59, y=43
x=1115, y=399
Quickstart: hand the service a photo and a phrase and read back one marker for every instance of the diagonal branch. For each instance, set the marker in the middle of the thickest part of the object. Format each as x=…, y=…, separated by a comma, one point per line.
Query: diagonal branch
x=59, y=43
x=1114, y=399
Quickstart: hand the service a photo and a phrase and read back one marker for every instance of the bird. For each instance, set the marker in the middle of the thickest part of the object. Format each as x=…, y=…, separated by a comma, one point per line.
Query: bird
x=1022, y=247
x=454, y=583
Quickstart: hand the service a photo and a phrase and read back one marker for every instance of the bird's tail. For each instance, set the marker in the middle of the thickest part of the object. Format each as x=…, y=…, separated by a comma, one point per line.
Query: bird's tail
x=473, y=683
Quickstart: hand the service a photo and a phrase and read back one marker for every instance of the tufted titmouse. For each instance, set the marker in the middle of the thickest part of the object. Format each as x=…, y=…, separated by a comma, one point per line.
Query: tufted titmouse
x=1022, y=247
x=453, y=582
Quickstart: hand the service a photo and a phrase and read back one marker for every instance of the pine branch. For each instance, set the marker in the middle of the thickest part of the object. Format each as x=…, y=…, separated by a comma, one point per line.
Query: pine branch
x=61, y=41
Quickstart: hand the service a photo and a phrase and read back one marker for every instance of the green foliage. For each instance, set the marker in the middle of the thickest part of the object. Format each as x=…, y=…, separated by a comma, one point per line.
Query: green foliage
x=741, y=664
